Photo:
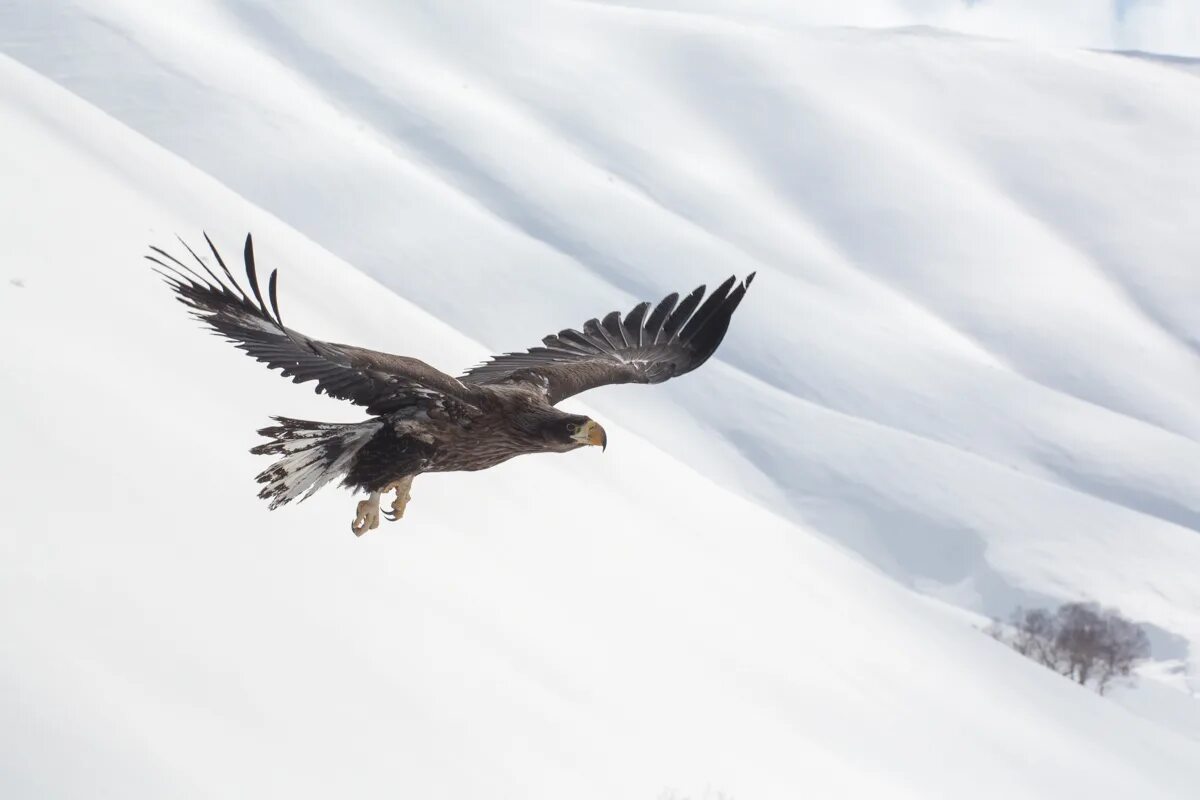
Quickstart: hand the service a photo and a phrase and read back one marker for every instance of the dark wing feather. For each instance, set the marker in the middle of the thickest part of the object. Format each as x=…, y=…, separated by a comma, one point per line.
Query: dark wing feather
x=380, y=381
x=658, y=316
x=644, y=347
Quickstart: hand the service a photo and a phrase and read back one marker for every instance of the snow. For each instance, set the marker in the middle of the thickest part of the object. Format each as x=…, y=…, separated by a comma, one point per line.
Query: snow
x=964, y=379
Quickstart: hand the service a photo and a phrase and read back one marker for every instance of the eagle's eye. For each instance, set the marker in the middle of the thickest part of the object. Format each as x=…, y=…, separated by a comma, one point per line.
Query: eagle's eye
x=572, y=428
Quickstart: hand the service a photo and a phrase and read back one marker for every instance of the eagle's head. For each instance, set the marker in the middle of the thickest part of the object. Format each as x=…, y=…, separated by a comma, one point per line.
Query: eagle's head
x=572, y=431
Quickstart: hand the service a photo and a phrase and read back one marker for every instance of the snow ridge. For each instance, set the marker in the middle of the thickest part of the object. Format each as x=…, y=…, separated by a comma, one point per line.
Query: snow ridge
x=968, y=369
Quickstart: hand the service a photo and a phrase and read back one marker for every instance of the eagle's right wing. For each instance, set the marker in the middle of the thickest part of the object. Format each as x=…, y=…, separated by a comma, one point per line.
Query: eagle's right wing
x=379, y=381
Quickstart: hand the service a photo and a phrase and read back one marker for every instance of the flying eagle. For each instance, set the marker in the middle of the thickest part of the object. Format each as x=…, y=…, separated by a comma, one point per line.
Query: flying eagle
x=421, y=419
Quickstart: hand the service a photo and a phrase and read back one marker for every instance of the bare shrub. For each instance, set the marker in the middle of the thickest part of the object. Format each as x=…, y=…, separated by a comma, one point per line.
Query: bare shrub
x=1086, y=643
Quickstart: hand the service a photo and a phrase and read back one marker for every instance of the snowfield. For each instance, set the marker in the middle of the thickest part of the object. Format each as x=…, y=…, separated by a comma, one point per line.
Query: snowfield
x=966, y=378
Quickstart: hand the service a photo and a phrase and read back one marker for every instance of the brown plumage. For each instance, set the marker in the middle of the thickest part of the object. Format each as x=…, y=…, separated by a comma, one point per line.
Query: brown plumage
x=423, y=420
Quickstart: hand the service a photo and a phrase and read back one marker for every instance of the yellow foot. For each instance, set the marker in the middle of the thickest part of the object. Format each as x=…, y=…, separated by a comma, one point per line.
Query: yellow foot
x=367, y=515
x=402, y=488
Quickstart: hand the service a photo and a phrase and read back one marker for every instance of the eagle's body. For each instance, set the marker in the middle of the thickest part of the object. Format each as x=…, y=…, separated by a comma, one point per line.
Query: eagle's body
x=423, y=420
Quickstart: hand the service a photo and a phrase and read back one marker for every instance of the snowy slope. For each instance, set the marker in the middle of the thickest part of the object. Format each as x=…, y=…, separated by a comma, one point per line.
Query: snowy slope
x=160, y=623
x=975, y=361
x=974, y=369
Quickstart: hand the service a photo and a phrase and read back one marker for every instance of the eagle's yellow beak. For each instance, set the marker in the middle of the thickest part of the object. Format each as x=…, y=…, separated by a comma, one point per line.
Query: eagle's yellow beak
x=592, y=433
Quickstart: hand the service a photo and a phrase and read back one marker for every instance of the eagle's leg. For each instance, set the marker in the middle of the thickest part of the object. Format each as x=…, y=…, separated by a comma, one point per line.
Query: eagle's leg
x=367, y=518
x=403, y=491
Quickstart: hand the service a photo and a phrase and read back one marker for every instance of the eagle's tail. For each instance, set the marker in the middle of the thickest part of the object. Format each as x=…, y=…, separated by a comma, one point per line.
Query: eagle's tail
x=314, y=453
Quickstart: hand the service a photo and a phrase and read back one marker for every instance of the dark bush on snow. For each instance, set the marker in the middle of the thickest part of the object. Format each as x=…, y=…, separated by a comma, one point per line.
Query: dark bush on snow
x=1086, y=643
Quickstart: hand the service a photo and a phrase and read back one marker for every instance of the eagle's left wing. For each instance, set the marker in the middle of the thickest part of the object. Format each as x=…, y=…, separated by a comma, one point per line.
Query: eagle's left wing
x=644, y=346
x=380, y=381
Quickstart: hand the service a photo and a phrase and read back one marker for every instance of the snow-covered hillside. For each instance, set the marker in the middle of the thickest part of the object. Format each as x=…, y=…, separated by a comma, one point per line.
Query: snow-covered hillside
x=968, y=368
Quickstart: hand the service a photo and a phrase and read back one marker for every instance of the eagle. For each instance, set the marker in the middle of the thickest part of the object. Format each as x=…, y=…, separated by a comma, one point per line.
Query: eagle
x=424, y=420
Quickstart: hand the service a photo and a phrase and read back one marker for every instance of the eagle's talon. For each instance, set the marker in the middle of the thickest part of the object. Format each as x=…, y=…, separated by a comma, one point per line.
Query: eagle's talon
x=366, y=515
x=403, y=495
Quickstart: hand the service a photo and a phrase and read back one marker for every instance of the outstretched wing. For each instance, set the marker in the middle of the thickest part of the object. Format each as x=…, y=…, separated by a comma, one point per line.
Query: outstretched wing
x=644, y=346
x=379, y=381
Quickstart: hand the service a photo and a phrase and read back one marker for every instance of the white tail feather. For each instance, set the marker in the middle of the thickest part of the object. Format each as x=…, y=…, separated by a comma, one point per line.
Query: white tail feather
x=314, y=453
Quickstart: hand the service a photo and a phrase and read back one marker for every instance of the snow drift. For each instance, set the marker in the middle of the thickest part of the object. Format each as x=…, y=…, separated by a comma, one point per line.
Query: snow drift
x=973, y=374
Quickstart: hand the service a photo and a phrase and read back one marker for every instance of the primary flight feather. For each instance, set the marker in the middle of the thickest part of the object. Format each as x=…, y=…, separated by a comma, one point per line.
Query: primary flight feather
x=421, y=419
